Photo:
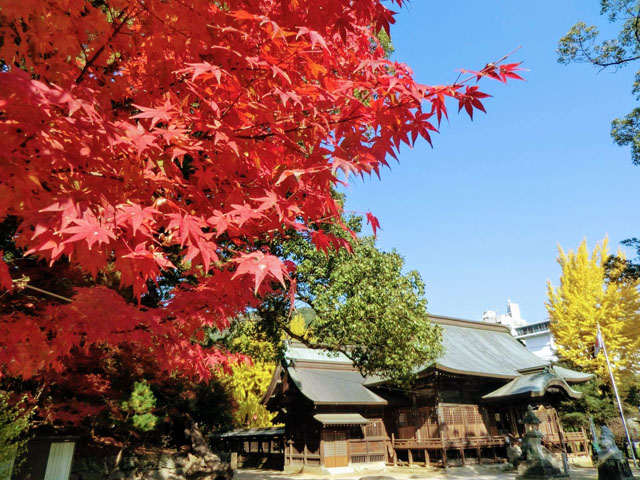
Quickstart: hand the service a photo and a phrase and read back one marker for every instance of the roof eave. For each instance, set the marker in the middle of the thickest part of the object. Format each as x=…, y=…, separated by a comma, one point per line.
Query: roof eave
x=444, y=368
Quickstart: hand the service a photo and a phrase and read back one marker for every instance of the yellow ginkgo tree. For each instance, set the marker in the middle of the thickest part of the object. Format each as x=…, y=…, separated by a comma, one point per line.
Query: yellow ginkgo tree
x=249, y=381
x=590, y=293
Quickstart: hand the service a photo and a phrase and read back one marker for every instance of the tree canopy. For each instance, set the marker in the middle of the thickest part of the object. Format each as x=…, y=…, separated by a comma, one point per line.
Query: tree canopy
x=363, y=303
x=185, y=138
x=583, y=45
x=587, y=296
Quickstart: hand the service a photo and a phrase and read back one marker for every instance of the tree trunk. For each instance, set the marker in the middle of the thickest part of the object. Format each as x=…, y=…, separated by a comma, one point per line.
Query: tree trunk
x=219, y=470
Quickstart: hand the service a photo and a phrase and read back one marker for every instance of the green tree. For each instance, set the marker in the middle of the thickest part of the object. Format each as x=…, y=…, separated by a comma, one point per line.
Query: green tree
x=583, y=45
x=633, y=394
x=586, y=297
x=364, y=305
x=140, y=406
x=15, y=422
x=597, y=402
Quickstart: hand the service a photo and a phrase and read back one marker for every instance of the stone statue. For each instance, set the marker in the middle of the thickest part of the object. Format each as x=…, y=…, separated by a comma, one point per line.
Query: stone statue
x=612, y=465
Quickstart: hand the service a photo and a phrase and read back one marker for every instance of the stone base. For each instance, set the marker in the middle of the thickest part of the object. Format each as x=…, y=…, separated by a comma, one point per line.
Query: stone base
x=541, y=477
x=615, y=470
x=542, y=470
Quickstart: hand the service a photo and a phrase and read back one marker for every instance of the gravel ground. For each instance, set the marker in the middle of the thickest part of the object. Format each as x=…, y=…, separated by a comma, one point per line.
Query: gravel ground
x=403, y=473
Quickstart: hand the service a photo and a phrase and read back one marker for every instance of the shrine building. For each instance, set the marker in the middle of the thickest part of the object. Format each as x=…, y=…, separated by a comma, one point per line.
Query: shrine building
x=464, y=408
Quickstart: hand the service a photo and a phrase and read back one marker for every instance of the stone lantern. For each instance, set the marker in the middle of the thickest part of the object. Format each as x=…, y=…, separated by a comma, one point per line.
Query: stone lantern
x=536, y=461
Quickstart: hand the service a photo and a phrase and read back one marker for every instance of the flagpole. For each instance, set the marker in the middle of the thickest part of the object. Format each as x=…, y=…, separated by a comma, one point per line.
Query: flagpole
x=615, y=390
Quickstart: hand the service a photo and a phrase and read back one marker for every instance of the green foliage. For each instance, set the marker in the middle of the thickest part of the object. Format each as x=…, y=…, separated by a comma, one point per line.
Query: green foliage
x=248, y=336
x=633, y=395
x=15, y=421
x=140, y=405
x=385, y=43
x=582, y=45
x=363, y=304
x=620, y=269
x=597, y=402
x=370, y=306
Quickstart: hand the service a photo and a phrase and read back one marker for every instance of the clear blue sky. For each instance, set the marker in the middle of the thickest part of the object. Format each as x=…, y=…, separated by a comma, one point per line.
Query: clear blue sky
x=481, y=214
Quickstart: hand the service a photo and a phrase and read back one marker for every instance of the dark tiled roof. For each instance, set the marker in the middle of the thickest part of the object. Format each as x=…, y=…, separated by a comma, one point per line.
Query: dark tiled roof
x=472, y=348
x=326, y=386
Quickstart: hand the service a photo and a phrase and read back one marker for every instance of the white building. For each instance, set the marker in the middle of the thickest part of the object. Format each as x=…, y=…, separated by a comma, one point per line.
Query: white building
x=536, y=336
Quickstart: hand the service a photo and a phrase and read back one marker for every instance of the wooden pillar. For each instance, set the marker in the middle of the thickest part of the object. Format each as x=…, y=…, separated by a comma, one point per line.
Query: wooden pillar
x=366, y=446
x=479, y=452
x=512, y=420
x=463, y=410
x=393, y=449
x=441, y=434
x=410, y=456
x=426, y=457
x=462, y=456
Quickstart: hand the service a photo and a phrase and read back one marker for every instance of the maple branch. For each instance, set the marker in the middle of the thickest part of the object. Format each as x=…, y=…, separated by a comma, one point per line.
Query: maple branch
x=264, y=136
x=175, y=30
x=83, y=172
x=264, y=72
x=46, y=292
x=90, y=62
x=315, y=346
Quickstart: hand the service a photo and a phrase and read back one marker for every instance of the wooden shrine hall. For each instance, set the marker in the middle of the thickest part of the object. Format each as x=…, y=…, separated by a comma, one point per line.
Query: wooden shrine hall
x=464, y=408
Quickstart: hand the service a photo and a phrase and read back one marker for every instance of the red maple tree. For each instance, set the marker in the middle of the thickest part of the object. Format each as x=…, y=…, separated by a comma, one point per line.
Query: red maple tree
x=140, y=136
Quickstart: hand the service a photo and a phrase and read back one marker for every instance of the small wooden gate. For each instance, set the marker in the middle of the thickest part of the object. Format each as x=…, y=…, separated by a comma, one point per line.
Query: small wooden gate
x=335, y=448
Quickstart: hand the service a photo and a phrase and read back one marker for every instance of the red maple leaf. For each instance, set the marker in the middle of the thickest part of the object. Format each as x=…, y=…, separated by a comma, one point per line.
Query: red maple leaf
x=189, y=131
x=260, y=265
x=373, y=221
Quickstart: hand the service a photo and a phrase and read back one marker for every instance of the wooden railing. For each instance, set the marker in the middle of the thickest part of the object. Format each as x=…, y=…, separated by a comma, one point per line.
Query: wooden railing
x=368, y=450
x=472, y=442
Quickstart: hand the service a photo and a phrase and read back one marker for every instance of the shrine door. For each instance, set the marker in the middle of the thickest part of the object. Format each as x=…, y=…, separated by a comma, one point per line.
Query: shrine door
x=335, y=448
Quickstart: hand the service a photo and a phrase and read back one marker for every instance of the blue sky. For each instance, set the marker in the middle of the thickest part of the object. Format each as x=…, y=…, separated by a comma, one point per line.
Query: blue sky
x=481, y=214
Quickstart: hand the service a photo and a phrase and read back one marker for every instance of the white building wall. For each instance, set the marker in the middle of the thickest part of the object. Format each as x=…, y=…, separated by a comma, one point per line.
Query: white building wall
x=539, y=343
